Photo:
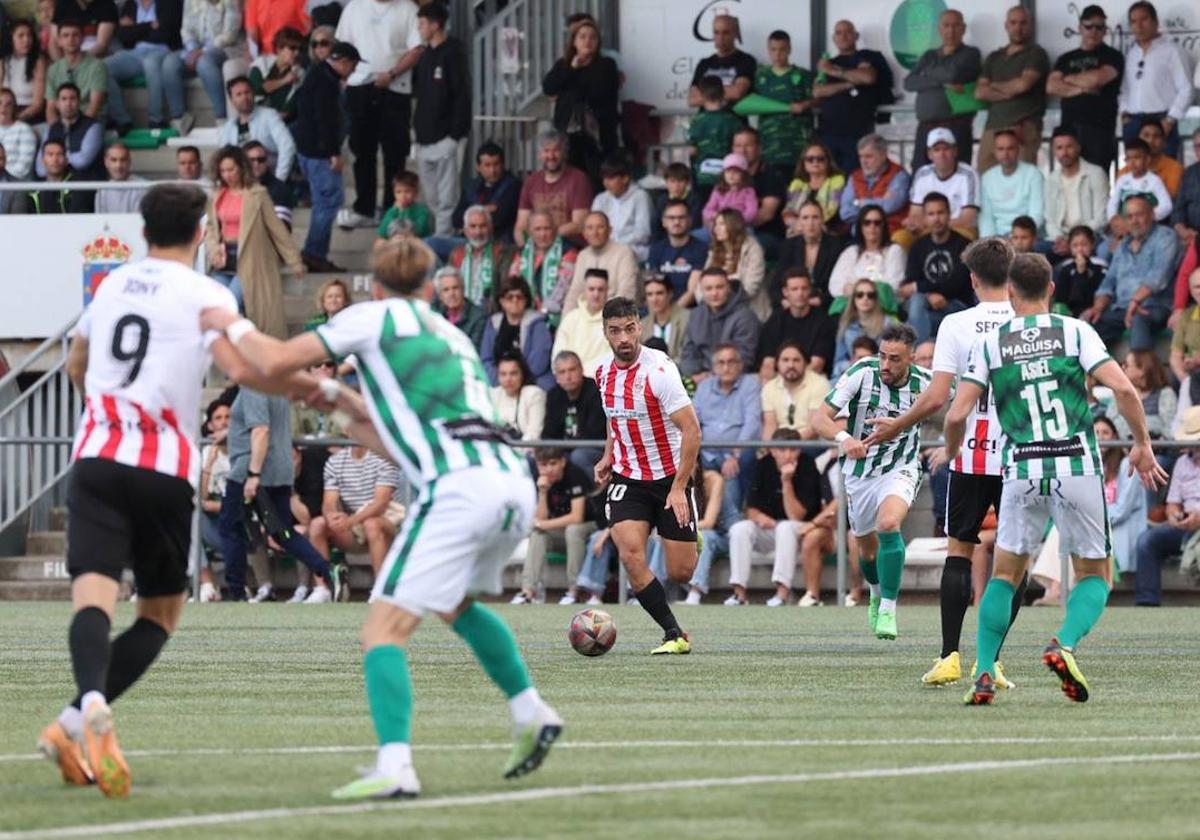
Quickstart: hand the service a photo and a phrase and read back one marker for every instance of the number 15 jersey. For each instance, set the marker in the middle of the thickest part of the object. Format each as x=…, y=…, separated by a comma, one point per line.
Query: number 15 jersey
x=1037, y=367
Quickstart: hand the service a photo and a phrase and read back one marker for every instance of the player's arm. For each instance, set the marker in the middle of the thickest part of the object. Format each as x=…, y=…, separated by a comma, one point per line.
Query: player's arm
x=689, y=450
x=955, y=430
x=77, y=361
x=241, y=371
x=603, y=468
x=824, y=422
x=269, y=356
x=931, y=399
x=1141, y=455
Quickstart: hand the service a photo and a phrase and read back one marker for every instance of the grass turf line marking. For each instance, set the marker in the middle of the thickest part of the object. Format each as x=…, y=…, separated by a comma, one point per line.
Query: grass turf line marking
x=6, y=758
x=539, y=794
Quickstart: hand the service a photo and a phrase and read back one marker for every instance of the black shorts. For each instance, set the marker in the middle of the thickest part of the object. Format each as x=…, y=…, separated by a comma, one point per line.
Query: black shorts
x=121, y=516
x=646, y=501
x=968, y=498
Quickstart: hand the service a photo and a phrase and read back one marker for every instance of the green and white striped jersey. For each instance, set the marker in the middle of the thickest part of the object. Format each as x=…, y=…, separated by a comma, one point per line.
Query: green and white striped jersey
x=1037, y=367
x=862, y=394
x=424, y=386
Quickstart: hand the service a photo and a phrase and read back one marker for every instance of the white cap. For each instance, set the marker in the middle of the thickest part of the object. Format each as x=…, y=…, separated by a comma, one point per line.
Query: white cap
x=940, y=135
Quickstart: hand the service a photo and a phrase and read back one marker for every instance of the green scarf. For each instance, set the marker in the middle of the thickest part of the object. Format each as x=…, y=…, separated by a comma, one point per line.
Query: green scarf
x=483, y=290
x=549, y=273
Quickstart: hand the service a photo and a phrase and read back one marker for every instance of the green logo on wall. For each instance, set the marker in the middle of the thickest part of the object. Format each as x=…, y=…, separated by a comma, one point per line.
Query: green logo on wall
x=914, y=30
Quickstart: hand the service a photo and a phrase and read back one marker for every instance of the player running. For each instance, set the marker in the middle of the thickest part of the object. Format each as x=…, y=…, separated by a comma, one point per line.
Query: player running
x=428, y=408
x=652, y=443
x=1036, y=366
x=139, y=356
x=975, y=482
x=882, y=480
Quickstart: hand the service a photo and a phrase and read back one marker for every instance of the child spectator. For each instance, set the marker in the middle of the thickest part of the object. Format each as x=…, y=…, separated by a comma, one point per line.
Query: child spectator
x=276, y=78
x=1023, y=235
x=626, y=204
x=1137, y=179
x=332, y=298
x=733, y=192
x=406, y=216
x=711, y=133
x=679, y=188
x=1076, y=279
x=214, y=470
x=560, y=522
x=817, y=178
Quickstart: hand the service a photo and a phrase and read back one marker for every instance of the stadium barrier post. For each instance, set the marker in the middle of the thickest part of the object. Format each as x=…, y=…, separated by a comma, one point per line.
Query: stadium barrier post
x=197, y=549
x=842, y=525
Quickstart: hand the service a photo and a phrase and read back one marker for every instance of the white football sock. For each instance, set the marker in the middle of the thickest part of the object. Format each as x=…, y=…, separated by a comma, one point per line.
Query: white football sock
x=525, y=706
x=72, y=721
x=392, y=757
x=89, y=698
x=874, y=587
x=887, y=604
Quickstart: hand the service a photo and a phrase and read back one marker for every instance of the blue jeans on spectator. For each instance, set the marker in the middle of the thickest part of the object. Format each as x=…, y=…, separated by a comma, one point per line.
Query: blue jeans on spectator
x=716, y=543
x=162, y=77
x=1154, y=546
x=234, y=284
x=327, y=195
x=210, y=69
x=925, y=319
x=593, y=574
x=939, y=483
x=735, y=491
x=444, y=245
x=656, y=559
x=1145, y=329
x=1130, y=130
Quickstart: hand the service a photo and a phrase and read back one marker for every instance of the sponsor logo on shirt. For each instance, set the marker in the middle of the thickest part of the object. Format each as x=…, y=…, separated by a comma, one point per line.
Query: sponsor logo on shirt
x=1032, y=343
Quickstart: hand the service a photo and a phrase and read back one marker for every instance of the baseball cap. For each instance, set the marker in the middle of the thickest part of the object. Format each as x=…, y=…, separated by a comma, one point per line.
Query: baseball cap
x=344, y=49
x=940, y=135
x=734, y=160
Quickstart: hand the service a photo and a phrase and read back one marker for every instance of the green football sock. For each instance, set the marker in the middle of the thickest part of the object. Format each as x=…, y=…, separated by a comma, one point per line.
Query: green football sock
x=870, y=570
x=891, y=563
x=389, y=693
x=1083, y=610
x=995, y=610
x=495, y=647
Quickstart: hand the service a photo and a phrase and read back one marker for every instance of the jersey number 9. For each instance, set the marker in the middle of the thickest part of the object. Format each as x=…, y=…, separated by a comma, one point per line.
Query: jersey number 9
x=121, y=350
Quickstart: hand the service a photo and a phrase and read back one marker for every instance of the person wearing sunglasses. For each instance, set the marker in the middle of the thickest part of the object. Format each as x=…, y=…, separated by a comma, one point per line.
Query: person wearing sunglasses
x=520, y=327
x=863, y=316
x=1087, y=80
x=871, y=255
x=1156, y=86
x=213, y=48
x=260, y=169
x=817, y=178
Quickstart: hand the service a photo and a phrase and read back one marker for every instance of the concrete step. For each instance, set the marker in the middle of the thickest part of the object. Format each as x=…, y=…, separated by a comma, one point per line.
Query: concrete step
x=48, y=567
x=58, y=519
x=28, y=590
x=46, y=542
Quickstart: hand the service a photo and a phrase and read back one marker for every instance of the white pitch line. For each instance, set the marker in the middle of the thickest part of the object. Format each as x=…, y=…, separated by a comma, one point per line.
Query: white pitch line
x=6, y=758
x=540, y=794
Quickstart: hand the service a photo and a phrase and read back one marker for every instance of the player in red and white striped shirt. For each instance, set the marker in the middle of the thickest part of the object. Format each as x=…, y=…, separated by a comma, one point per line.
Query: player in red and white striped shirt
x=652, y=444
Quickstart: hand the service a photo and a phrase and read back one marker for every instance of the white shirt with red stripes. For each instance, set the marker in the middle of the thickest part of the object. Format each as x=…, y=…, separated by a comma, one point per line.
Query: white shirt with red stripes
x=639, y=401
x=147, y=357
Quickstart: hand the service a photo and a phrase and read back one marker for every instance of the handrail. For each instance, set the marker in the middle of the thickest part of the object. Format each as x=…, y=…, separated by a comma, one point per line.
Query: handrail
x=37, y=353
x=63, y=186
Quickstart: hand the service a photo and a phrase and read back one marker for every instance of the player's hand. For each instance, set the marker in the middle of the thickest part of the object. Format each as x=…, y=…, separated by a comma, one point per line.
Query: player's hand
x=1142, y=460
x=250, y=488
x=216, y=318
x=677, y=502
x=854, y=448
x=603, y=470
x=883, y=429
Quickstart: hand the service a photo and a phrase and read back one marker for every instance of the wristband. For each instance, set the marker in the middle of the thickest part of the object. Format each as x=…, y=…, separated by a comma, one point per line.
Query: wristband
x=239, y=329
x=253, y=474
x=842, y=436
x=330, y=389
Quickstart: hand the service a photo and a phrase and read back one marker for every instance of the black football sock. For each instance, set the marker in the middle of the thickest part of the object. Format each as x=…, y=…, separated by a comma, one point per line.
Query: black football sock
x=90, y=649
x=955, y=595
x=132, y=653
x=653, y=599
x=1018, y=599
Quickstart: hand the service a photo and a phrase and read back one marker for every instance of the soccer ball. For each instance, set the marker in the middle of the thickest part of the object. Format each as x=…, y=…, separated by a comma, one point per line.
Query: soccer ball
x=592, y=632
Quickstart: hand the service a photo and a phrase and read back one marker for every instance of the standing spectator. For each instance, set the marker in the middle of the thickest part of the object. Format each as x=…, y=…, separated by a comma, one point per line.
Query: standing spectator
x=442, y=121
x=947, y=176
x=734, y=68
x=812, y=249
x=574, y=410
x=1167, y=168
x=880, y=181
x=118, y=164
x=406, y=216
x=1185, y=215
x=769, y=187
x=276, y=78
x=257, y=122
x=1159, y=542
x=1076, y=192
x=55, y=169
x=937, y=282
x=626, y=205
x=785, y=136
x=616, y=260
x=212, y=46
x=710, y=134
x=495, y=188
x=378, y=96
x=950, y=67
x=796, y=321
x=816, y=178
x=849, y=90
x=862, y=318
x=732, y=192
x=520, y=404
x=1088, y=81
x=280, y=192
x=1010, y=189
x=870, y=256
x=319, y=148
x=357, y=510
x=82, y=135
x=582, y=329
x=1136, y=179
x=1156, y=88
x=23, y=70
x=1013, y=81
x=557, y=188
x=1078, y=278
x=245, y=242
x=148, y=34
x=738, y=253
x=517, y=326
x=723, y=317
x=679, y=256
x=481, y=259
x=86, y=72
x=266, y=17
x=790, y=398
x=665, y=319
x=728, y=408
x=17, y=138
x=189, y=166
x=97, y=20
x=562, y=489
x=546, y=263
x=453, y=305
x=584, y=85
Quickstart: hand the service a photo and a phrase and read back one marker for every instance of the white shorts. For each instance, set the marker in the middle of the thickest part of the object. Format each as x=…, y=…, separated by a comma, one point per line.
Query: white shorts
x=864, y=495
x=1074, y=502
x=458, y=536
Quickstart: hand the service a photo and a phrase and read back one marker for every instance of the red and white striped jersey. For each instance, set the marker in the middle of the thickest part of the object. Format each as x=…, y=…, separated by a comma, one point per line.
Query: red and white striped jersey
x=146, y=362
x=639, y=401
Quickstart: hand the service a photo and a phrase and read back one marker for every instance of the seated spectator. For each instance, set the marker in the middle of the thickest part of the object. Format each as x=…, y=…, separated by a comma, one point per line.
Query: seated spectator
x=789, y=399
x=678, y=178
x=1136, y=179
x=481, y=259
x=599, y=551
x=615, y=259
x=817, y=178
x=520, y=403
x=1023, y=235
x=86, y=72
x=1136, y=292
x=1076, y=193
x=732, y=192
x=189, y=166
x=1185, y=342
x=557, y=188
x=357, y=511
x=10, y=202
x=627, y=205
x=1077, y=278
x=55, y=170
x=880, y=181
x=786, y=136
x=214, y=470
x=322, y=39
x=786, y=492
x=148, y=35
x=664, y=319
x=1185, y=215
x=818, y=539
x=118, y=164
x=1148, y=375
x=1011, y=188
x=1160, y=542
x=863, y=347
x=739, y=255
x=212, y=47
x=770, y=188
x=679, y=256
x=332, y=297
x=796, y=321
x=280, y=191
x=18, y=139
x=949, y=177
x=728, y=407
x=257, y=122
x=407, y=216
x=937, y=282
x=584, y=85
x=274, y=79
x=729, y=65
x=813, y=249
x=562, y=489
x=494, y=188
x=863, y=317
x=871, y=255
x=23, y=71
x=453, y=305
x=264, y=18
x=546, y=262
x=710, y=134
x=1124, y=496
x=722, y=317
x=82, y=136
x=517, y=326
x=582, y=329
x=1164, y=166
x=574, y=410
x=711, y=527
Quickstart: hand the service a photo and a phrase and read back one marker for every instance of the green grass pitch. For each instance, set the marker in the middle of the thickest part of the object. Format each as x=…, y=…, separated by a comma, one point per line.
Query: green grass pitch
x=784, y=723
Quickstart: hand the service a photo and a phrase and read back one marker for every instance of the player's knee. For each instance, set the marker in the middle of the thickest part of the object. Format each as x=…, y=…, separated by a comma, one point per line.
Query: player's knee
x=888, y=521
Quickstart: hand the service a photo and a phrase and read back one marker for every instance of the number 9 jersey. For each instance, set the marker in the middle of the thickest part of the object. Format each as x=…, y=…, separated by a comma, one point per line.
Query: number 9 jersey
x=147, y=358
